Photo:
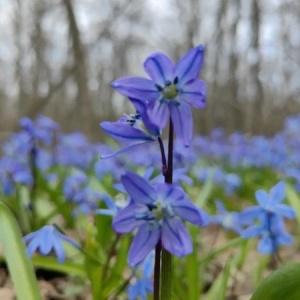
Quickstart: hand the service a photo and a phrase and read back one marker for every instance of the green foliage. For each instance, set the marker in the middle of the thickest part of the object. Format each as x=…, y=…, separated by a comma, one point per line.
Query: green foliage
x=19, y=264
x=281, y=284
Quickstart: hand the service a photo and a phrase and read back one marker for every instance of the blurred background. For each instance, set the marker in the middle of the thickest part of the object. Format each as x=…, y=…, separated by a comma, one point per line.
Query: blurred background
x=57, y=58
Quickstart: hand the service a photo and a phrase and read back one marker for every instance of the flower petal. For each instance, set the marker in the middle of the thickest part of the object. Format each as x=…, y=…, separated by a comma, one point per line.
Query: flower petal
x=136, y=87
x=125, y=221
x=175, y=237
x=194, y=93
x=285, y=211
x=170, y=192
x=123, y=150
x=160, y=68
x=252, y=231
x=142, y=244
x=159, y=113
x=189, y=212
x=189, y=66
x=263, y=198
x=141, y=107
x=138, y=188
x=277, y=192
x=265, y=245
x=183, y=122
x=125, y=133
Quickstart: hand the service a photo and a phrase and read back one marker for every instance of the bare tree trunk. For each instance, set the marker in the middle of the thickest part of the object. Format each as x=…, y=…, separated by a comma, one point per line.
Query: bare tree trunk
x=82, y=112
x=233, y=87
x=257, y=121
x=19, y=72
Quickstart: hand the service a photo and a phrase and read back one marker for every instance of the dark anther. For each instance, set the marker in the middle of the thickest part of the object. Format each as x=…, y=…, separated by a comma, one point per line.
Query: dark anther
x=160, y=89
x=176, y=80
x=168, y=82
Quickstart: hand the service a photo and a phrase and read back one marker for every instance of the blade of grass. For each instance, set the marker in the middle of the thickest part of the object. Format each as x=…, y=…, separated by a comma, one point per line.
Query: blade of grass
x=19, y=264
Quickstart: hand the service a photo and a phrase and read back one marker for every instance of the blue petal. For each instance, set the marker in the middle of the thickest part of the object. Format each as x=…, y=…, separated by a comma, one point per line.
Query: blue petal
x=159, y=113
x=160, y=68
x=277, y=192
x=59, y=250
x=138, y=188
x=125, y=221
x=125, y=149
x=189, y=212
x=253, y=231
x=175, y=237
x=183, y=122
x=189, y=66
x=285, y=211
x=136, y=87
x=265, y=245
x=125, y=133
x=248, y=215
x=194, y=93
x=170, y=193
x=141, y=107
x=263, y=198
x=142, y=244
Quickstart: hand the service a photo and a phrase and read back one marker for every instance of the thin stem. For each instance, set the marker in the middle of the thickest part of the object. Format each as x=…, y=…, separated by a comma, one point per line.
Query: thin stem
x=163, y=157
x=169, y=173
x=166, y=262
x=156, y=289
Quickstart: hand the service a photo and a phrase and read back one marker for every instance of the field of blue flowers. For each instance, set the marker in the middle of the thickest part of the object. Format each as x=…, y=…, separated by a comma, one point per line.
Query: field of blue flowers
x=147, y=217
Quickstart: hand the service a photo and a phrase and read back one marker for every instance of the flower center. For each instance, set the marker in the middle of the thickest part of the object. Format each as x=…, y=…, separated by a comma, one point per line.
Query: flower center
x=170, y=91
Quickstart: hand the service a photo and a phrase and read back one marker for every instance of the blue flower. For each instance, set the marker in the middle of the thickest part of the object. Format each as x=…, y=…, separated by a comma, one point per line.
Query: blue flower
x=272, y=233
x=142, y=283
x=229, y=220
x=157, y=214
x=135, y=129
x=46, y=240
x=270, y=213
x=171, y=90
x=272, y=202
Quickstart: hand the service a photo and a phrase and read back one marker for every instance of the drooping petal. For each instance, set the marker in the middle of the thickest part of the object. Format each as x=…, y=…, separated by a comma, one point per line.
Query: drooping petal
x=144, y=241
x=189, y=212
x=183, y=122
x=253, y=231
x=124, y=150
x=59, y=250
x=194, y=93
x=33, y=246
x=189, y=65
x=160, y=68
x=136, y=87
x=277, y=192
x=125, y=133
x=265, y=245
x=158, y=113
x=141, y=107
x=125, y=221
x=250, y=213
x=263, y=198
x=285, y=211
x=138, y=188
x=175, y=237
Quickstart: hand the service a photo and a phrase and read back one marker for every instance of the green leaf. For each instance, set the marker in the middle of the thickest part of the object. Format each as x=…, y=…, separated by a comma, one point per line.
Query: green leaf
x=281, y=284
x=294, y=199
x=19, y=264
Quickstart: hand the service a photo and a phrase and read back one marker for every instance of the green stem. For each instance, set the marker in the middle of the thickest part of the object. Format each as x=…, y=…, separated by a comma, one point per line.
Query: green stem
x=166, y=261
x=166, y=275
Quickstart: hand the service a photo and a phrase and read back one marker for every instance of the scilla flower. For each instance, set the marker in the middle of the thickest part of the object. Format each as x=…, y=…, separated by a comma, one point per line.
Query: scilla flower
x=157, y=213
x=134, y=129
x=170, y=91
x=46, y=240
